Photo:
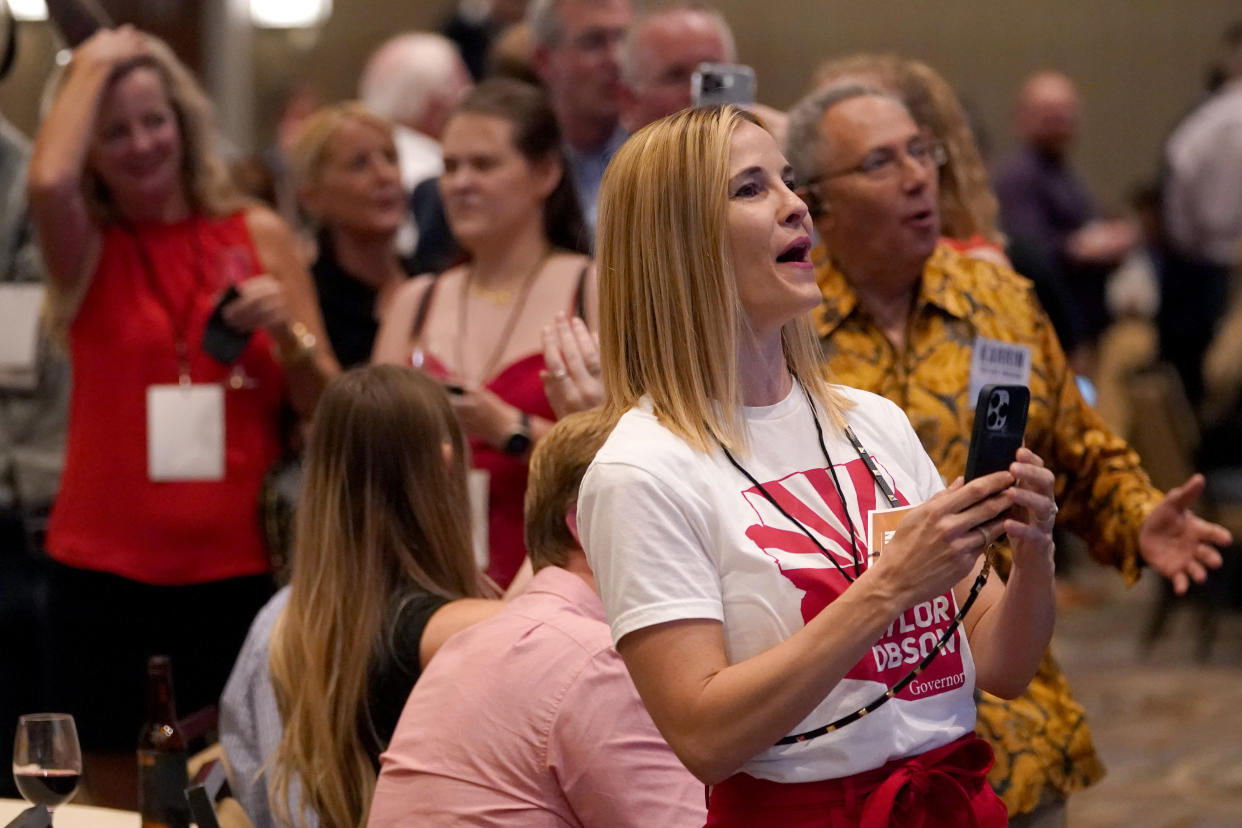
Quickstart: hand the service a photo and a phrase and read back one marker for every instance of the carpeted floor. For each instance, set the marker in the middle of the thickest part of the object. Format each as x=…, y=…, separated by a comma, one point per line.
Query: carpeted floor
x=1168, y=727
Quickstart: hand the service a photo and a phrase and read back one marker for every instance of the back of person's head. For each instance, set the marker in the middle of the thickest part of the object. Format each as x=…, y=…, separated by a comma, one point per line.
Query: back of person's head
x=670, y=315
x=537, y=136
x=967, y=205
x=382, y=513
x=557, y=465
x=208, y=186
x=413, y=79
x=310, y=150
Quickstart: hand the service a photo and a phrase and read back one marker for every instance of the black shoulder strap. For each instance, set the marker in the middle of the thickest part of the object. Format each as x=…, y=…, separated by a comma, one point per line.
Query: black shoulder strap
x=424, y=305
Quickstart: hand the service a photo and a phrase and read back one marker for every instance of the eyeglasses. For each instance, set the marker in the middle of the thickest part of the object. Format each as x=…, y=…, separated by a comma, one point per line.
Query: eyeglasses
x=886, y=162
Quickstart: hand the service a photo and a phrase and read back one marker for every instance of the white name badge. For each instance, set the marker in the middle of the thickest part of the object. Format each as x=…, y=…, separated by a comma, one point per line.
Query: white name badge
x=993, y=362
x=21, y=305
x=477, y=482
x=185, y=432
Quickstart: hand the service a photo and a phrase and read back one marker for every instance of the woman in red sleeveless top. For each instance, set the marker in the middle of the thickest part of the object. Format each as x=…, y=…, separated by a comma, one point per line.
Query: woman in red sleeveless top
x=479, y=327
x=155, y=534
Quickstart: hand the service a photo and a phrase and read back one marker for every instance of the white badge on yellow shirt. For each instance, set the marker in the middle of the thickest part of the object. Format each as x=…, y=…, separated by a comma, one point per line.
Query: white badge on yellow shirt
x=993, y=362
x=185, y=432
x=21, y=305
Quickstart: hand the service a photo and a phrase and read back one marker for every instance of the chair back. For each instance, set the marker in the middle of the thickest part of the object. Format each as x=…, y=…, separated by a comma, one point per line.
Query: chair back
x=211, y=806
x=1163, y=429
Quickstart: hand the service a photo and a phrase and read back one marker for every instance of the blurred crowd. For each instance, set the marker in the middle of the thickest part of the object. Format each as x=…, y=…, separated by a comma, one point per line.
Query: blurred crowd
x=303, y=421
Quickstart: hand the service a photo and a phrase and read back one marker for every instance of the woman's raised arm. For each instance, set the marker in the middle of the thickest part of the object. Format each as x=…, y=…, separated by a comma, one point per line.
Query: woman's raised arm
x=67, y=234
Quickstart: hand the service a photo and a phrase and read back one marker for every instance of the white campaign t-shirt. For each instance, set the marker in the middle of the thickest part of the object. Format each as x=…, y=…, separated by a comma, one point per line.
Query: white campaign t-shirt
x=672, y=533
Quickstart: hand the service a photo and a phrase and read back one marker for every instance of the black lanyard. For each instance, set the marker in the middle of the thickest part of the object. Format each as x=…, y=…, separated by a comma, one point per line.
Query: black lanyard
x=887, y=490
x=871, y=465
x=180, y=323
x=868, y=461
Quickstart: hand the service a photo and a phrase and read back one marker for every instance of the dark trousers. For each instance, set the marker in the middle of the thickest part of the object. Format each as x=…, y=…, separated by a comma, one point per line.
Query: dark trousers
x=104, y=627
x=1192, y=298
x=24, y=679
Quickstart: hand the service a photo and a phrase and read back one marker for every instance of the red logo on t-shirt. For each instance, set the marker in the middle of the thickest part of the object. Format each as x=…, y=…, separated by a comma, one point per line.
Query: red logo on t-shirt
x=810, y=497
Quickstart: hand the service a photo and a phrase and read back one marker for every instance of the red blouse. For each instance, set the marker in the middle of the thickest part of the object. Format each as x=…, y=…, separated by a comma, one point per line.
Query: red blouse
x=109, y=515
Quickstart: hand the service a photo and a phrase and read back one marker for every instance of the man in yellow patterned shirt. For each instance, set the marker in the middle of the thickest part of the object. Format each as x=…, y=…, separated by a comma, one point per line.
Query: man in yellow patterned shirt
x=926, y=326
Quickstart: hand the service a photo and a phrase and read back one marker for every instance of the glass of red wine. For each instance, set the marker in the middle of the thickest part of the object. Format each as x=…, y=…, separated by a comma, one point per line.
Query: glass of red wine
x=47, y=762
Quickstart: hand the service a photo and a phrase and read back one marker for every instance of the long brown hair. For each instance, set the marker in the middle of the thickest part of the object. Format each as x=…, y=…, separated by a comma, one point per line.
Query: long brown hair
x=382, y=512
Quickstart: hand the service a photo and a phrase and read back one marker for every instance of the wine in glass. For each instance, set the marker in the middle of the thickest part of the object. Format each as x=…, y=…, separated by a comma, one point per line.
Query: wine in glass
x=47, y=762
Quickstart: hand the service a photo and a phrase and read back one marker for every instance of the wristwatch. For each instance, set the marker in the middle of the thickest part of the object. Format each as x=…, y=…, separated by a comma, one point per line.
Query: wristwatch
x=519, y=442
x=302, y=348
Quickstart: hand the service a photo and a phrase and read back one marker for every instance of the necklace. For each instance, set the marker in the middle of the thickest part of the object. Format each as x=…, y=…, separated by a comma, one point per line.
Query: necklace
x=868, y=461
x=497, y=296
x=510, y=322
x=178, y=322
x=871, y=465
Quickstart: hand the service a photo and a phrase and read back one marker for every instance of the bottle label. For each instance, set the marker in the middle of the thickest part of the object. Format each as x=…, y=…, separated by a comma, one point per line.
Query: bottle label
x=162, y=780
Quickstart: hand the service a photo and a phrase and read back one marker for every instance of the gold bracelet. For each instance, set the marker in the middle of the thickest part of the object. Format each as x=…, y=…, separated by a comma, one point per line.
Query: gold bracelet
x=304, y=347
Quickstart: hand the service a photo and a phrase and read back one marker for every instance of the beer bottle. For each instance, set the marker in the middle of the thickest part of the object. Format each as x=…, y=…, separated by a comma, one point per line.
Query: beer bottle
x=162, y=776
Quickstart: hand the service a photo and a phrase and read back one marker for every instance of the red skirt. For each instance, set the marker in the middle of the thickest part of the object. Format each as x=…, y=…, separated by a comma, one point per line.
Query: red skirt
x=946, y=787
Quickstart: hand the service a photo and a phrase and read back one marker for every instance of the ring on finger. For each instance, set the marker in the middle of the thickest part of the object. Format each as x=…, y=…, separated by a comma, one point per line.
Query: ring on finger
x=1050, y=514
x=986, y=538
x=560, y=374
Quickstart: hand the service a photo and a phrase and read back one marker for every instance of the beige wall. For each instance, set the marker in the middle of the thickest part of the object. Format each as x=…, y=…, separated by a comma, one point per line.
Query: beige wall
x=335, y=58
x=1139, y=62
x=19, y=92
x=331, y=56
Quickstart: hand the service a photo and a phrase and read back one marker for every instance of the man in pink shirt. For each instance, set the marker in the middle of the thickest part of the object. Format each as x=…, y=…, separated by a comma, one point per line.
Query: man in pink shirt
x=530, y=718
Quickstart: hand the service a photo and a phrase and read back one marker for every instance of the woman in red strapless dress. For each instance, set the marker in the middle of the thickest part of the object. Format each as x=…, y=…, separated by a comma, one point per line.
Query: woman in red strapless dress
x=478, y=327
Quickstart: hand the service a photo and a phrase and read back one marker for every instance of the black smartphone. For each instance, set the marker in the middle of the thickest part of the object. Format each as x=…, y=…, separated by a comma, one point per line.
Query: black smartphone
x=713, y=84
x=1000, y=423
x=220, y=340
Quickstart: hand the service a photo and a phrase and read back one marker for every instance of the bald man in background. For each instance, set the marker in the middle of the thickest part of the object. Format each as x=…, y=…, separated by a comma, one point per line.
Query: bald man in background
x=1045, y=202
x=660, y=54
x=414, y=80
